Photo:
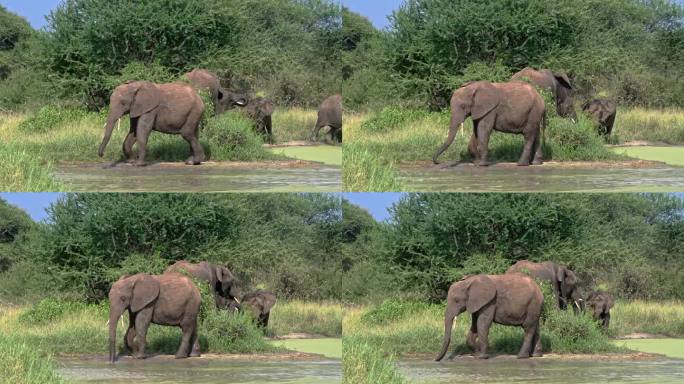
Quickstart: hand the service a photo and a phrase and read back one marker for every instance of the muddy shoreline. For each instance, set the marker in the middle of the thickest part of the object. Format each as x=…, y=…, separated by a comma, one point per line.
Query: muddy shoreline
x=279, y=356
x=458, y=165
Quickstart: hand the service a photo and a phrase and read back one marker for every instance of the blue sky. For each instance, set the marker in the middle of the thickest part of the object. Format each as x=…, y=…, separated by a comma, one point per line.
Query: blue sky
x=35, y=10
x=35, y=203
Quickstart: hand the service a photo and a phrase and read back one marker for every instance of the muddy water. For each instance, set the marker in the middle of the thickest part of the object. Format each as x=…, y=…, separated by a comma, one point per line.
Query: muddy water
x=673, y=155
x=203, y=178
x=468, y=178
x=199, y=370
x=661, y=371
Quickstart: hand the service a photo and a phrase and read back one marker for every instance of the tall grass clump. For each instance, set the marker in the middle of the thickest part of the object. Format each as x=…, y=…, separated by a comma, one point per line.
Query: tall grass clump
x=364, y=171
x=362, y=363
x=231, y=136
x=579, y=141
x=22, y=363
x=659, y=125
x=293, y=124
x=664, y=318
x=50, y=117
x=22, y=171
x=316, y=318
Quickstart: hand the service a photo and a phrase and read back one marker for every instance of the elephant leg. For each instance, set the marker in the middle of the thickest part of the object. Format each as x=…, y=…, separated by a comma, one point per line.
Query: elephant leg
x=471, y=339
x=527, y=148
x=538, y=155
x=263, y=320
x=128, y=144
x=269, y=129
x=129, y=339
x=484, y=130
x=606, y=320
x=195, y=344
x=197, y=150
x=143, y=130
x=142, y=322
x=528, y=341
x=472, y=146
x=537, y=343
x=189, y=327
x=484, y=322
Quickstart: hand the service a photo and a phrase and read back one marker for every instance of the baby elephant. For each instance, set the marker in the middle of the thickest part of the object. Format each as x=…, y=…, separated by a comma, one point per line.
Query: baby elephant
x=603, y=112
x=600, y=303
x=259, y=303
x=168, y=299
x=510, y=299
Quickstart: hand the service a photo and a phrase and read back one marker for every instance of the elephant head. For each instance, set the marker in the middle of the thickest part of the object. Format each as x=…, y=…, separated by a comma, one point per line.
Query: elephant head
x=600, y=303
x=226, y=283
x=470, y=294
x=476, y=100
x=135, y=98
x=567, y=283
x=129, y=292
x=565, y=104
x=226, y=99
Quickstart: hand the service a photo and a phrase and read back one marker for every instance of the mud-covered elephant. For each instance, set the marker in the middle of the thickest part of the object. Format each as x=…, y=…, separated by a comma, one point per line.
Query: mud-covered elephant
x=512, y=107
x=599, y=304
x=329, y=115
x=223, y=99
x=603, y=112
x=168, y=299
x=221, y=280
x=259, y=303
x=174, y=108
x=510, y=299
x=260, y=110
x=557, y=83
x=563, y=280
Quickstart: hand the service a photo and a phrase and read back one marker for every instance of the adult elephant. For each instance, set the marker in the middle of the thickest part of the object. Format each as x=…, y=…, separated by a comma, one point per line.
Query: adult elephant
x=220, y=279
x=557, y=83
x=260, y=111
x=563, y=280
x=223, y=99
x=603, y=112
x=168, y=108
x=168, y=299
x=510, y=299
x=600, y=303
x=329, y=115
x=259, y=303
x=512, y=107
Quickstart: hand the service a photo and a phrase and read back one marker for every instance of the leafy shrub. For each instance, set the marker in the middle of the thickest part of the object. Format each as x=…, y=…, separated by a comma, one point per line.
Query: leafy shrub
x=392, y=310
x=49, y=118
x=392, y=117
x=232, y=137
x=49, y=310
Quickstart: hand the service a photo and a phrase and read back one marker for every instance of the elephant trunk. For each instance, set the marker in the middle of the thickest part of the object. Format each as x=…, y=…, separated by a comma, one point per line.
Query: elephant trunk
x=314, y=132
x=457, y=118
x=114, y=314
x=449, y=316
x=109, y=127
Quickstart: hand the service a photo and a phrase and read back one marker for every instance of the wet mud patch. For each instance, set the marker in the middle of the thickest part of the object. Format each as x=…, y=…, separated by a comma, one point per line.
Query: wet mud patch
x=272, y=176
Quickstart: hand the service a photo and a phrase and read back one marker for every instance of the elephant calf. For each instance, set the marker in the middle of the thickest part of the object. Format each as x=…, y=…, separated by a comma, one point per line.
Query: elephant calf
x=510, y=299
x=600, y=303
x=258, y=303
x=168, y=299
x=603, y=112
x=563, y=280
x=260, y=111
x=329, y=115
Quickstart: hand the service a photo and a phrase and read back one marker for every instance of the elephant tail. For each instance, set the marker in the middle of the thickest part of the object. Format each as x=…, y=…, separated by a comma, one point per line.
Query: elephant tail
x=114, y=315
x=449, y=316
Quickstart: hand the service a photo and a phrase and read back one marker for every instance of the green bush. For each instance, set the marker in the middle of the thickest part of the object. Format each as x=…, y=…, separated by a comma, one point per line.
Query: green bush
x=231, y=136
x=50, y=117
x=49, y=310
x=392, y=117
x=392, y=310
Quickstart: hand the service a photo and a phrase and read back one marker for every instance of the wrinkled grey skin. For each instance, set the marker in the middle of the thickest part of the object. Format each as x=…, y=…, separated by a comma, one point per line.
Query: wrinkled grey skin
x=599, y=304
x=223, y=99
x=329, y=115
x=603, y=112
x=220, y=279
x=510, y=299
x=562, y=280
x=168, y=299
x=260, y=111
x=168, y=108
x=557, y=83
x=512, y=107
x=259, y=304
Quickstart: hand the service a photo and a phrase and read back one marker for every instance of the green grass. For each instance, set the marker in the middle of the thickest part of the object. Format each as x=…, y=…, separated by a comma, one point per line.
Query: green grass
x=22, y=363
x=367, y=171
x=329, y=347
x=20, y=171
x=649, y=124
x=668, y=347
x=660, y=318
x=324, y=319
x=363, y=363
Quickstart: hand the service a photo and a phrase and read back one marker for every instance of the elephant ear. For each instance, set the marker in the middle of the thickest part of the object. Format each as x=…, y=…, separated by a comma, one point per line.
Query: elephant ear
x=146, y=99
x=145, y=290
x=485, y=99
x=481, y=291
x=563, y=79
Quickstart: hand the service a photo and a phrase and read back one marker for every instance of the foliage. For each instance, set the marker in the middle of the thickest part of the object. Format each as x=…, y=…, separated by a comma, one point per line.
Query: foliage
x=15, y=228
x=20, y=362
x=49, y=310
x=233, y=138
x=365, y=171
x=363, y=363
x=49, y=118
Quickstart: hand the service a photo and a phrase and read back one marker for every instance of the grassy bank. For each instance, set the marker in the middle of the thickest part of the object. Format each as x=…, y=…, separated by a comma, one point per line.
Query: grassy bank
x=31, y=144
x=58, y=327
x=638, y=316
x=22, y=363
x=665, y=125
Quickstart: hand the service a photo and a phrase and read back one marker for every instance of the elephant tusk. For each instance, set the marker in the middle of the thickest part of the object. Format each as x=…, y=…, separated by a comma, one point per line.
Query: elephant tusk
x=461, y=131
x=118, y=124
x=236, y=300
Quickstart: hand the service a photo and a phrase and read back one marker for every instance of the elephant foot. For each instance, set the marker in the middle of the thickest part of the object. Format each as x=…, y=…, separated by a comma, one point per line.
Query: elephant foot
x=523, y=356
x=195, y=354
x=523, y=163
x=139, y=356
x=482, y=356
x=192, y=161
x=537, y=162
x=537, y=354
x=139, y=163
x=483, y=163
x=181, y=356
